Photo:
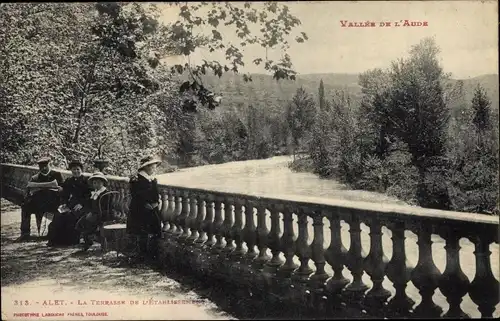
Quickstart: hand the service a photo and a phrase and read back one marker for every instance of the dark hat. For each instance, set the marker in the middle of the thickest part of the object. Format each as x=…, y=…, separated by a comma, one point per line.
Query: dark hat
x=75, y=163
x=148, y=161
x=98, y=175
x=43, y=160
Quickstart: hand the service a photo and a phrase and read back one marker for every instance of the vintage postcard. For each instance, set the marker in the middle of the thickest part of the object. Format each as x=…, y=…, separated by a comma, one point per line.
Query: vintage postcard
x=249, y=160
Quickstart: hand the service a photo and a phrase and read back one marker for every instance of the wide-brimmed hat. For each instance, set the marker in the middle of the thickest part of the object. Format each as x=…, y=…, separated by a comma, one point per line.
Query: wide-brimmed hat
x=43, y=160
x=148, y=161
x=98, y=175
x=75, y=162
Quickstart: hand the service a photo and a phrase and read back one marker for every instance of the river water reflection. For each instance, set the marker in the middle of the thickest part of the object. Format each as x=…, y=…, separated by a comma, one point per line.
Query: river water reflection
x=272, y=176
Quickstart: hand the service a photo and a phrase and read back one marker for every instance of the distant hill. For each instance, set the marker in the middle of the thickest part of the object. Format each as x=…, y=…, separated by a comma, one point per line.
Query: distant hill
x=264, y=90
x=489, y=82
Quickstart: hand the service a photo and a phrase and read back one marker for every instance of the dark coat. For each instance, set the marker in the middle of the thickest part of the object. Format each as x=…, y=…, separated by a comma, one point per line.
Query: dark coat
x=62, y=231
x=76, y=190
x=142, y=220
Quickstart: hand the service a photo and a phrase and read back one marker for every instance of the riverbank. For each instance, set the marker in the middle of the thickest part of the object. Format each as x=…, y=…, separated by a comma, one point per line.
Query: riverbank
x=399, y=179
x=403, y=191
x=302, y=164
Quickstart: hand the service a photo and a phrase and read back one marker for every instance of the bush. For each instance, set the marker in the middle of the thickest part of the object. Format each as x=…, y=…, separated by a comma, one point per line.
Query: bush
x=301, y=164
x=394, y=175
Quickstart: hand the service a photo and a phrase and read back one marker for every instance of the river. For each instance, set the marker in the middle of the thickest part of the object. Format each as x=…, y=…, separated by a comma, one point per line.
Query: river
x=272, y=176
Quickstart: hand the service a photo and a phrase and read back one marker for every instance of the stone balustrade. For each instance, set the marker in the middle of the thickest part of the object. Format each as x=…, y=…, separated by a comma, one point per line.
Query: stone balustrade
x=241, y=239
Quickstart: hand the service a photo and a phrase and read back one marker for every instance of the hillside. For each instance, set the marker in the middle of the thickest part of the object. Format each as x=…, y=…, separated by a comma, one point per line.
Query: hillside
x=264, y=90
x=489, y=82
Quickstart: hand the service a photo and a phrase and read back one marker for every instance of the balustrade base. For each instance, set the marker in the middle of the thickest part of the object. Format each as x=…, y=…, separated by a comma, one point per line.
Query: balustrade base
x=296, y=297
x=299, y=296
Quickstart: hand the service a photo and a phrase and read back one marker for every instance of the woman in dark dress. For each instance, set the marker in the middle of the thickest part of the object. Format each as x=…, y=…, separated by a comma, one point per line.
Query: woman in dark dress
x=96, y=211
x=143, y=221
x=74, y=197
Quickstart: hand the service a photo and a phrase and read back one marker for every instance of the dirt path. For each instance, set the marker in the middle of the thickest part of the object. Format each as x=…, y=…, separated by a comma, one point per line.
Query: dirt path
x=43, y=281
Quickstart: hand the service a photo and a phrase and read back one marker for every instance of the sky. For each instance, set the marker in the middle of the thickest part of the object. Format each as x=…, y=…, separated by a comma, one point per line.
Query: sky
x=466, y=32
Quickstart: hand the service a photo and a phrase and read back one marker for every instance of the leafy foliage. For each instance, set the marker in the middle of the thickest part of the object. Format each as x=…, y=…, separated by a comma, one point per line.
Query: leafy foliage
x=321, y=95
x=94, y=72
x=300, y=115
x=481, y=106
x=92, y=80
x=274, y=22
x=402, y=139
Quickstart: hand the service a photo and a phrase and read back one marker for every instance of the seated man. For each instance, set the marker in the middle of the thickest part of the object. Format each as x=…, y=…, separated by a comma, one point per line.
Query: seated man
x=40, y=201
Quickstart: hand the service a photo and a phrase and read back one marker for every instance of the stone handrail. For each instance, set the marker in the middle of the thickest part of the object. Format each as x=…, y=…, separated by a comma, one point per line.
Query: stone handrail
x=227, y=235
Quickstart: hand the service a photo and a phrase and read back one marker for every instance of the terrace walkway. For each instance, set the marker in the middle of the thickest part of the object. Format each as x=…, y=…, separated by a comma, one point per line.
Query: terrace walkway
x=32, y=272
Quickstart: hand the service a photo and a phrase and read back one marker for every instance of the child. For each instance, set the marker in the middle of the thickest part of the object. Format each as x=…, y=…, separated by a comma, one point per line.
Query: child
x=97, y=211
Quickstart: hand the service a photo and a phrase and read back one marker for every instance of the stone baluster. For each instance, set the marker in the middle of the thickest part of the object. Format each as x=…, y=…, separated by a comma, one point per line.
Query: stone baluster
x=453, y=283
x=228, y=224
x=184, y=216
x=336, y=256
x=484, y=290
x=202, y=235
x=398, y=270
x=237, y=230
x=249, y=232
x=218, y=226
x=375, y=264
x=288, y=244
x=425, y=276
x=274, y=241
x=170, y=211
x=192, y=219
x=303, y=250
x=262, y=237
x=181, y=219
x=208, y=224
x=176, y=227
x=164, y=213
x=355, y=291
x=319, y=277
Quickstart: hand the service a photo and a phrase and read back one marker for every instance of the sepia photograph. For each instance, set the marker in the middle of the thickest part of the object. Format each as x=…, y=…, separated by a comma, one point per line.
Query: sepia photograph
x=249, y=160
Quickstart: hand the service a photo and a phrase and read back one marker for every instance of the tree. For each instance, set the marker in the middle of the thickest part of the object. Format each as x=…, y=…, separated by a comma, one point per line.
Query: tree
x=92, y=65
x=259, y=128
x=419, y=117
x=319, y=141
x=34, y=42
x=474, y=152
x=300, y=116
x=321, y=94
x=373, y=116
x=274, y=22
x=481, y=107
